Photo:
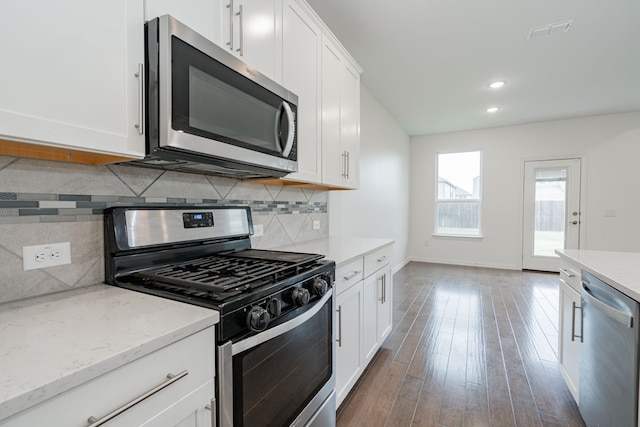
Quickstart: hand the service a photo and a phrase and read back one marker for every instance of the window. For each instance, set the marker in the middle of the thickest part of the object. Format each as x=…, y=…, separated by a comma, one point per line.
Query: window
x=458, y=194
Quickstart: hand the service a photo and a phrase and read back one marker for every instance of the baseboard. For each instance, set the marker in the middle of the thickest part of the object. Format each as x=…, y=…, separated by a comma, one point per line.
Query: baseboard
x=463, y=263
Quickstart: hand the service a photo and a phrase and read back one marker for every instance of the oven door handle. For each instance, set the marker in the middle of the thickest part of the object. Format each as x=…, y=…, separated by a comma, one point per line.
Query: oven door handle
x=258, y=339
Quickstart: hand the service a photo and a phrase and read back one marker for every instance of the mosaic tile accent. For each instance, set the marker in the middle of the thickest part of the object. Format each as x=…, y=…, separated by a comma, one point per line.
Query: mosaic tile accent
x=68, y=205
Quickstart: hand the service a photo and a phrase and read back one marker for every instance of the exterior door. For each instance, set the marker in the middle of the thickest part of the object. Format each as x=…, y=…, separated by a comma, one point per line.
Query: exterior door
x=551, y=211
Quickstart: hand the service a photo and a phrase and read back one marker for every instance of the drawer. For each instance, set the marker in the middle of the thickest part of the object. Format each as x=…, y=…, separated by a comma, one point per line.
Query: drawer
x=570, y=274
x=348, y=274
x=113, y=390
x=377, y=259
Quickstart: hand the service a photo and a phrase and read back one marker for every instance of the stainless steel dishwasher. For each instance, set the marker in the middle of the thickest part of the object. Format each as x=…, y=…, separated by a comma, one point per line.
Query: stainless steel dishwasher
x=609, y=356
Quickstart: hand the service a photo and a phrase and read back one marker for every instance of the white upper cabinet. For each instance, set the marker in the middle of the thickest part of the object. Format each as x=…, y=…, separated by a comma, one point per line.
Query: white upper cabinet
x=202, y=16
x=301, y=75
x=340, y=118
x=70, y=75
x=249, y=29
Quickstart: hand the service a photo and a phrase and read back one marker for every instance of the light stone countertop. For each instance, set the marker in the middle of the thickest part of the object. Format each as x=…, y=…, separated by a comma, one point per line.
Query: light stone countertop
x=339, y=249
x=618, y=269
x=51, y=344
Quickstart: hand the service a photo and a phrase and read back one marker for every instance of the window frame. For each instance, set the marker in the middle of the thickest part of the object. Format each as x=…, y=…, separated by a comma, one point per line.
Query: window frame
x=438, y=201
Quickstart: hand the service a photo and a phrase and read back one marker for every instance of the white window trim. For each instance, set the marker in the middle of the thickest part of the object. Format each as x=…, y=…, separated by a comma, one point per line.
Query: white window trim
x=435, y=233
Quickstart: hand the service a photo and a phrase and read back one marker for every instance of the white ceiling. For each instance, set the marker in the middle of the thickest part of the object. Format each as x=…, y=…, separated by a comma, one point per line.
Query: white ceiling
x=429, y=62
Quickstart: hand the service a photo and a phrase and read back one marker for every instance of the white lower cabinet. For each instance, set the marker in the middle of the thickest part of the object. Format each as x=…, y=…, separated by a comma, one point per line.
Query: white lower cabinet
x=377, y=311
x=570, y=327
x=177, y=380
x=364, y=288
x=349, y=358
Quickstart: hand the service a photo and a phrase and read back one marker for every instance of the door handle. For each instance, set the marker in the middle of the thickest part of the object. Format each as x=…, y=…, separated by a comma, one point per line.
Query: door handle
x=616, y=315
x=230, y=42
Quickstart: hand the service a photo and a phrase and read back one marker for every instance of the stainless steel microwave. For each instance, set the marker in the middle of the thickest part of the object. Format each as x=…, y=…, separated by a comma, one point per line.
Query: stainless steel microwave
x=208, y=112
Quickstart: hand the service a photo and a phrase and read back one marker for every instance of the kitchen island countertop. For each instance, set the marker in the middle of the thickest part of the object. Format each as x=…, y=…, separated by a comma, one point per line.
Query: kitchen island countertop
x=53, y=343
x=618, y=269
x=339, y=249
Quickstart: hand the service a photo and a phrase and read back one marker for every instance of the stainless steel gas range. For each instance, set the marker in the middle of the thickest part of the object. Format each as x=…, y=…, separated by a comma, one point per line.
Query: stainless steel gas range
x=275, y=347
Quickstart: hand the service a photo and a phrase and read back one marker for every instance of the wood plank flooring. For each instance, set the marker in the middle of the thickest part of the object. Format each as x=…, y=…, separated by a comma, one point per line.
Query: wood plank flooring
x=470, y=347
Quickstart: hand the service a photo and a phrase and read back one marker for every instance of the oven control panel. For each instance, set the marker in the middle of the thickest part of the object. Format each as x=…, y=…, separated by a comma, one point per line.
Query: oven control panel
x=197, y=219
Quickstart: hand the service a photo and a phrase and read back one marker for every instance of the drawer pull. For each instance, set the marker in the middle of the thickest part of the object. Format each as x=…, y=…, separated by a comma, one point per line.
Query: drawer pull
x=383, y=258
x=567, y=272
x=94, y=422
x=352, y=275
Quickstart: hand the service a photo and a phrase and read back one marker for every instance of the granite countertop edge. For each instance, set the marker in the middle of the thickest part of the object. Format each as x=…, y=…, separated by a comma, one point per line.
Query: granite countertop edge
x=618, y=269
x=339, y=249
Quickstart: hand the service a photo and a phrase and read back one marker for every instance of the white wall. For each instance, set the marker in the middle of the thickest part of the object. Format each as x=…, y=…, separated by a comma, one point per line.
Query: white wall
x=611, y=145
x=380, y=207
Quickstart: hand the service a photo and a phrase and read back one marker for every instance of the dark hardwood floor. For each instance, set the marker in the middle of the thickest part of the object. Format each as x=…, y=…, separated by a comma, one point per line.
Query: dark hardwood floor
x=469, y=347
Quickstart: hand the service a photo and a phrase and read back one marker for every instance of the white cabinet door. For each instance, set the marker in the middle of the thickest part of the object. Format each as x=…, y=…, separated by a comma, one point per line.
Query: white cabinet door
x=370, y=315
x=350, y=124
x=570, y=342
x=301, y=75
x=202, y=16
x=340, y=118
x=70, y=75
x=376, y=311
x=248, y=29
x=349, y=363
x=332, y=157
x=385, y=302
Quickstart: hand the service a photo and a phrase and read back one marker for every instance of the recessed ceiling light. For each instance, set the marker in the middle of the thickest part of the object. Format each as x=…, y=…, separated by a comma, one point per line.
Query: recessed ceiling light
x=497, y=84
x=492, y=109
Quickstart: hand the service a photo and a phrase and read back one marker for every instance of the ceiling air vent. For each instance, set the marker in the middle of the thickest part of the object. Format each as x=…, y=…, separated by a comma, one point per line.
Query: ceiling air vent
x=550, y=30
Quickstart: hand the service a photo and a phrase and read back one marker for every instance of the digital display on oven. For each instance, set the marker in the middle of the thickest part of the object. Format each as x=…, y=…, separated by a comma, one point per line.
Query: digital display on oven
x=197, y=219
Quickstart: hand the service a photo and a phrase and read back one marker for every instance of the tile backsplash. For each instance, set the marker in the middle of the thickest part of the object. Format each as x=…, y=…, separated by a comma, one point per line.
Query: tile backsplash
x=48, y=202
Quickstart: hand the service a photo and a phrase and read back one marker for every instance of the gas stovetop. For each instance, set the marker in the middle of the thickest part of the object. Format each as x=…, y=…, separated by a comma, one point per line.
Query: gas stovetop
x=203, y=256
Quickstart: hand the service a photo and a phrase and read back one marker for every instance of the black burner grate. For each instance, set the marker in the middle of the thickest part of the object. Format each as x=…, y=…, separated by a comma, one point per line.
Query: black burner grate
x=223, y=273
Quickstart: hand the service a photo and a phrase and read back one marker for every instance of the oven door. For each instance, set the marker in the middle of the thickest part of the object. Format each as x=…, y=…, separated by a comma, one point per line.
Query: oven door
x=284, y=376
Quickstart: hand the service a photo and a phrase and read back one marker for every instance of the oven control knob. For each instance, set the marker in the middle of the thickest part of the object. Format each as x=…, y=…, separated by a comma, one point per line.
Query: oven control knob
x=258, y=319
x=320, y=286
x=300, y=296
x=274, y=307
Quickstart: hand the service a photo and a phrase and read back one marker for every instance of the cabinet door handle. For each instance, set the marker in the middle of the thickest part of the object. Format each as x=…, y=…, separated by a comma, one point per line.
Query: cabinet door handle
x=339, y=340
x=230, y=42
x=140, y=76
x=573, y=321
x=348, y=165
x=383, y=258
x=241, y=21
x=94, y=422
x=212, y=407
x=344, y=164
x=383, y=289
x=567, y=272
x=352, y=275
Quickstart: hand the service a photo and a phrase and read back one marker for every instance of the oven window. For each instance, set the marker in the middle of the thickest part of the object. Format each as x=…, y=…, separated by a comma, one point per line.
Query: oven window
x=275, y=380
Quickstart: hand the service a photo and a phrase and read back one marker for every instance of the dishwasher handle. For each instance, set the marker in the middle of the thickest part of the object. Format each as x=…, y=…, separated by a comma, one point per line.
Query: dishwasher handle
x=617, y=315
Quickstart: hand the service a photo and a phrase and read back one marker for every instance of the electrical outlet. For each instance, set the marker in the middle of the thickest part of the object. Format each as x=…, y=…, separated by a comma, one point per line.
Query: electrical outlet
x=258, y=230
x=49, y=255
x=316, y=225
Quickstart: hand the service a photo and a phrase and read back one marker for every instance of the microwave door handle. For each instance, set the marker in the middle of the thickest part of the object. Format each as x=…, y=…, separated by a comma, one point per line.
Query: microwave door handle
x=292, y=129
x=277, y=128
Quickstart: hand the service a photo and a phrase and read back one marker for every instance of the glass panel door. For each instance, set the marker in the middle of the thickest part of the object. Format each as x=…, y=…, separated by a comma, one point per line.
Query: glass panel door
x=551, y=217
